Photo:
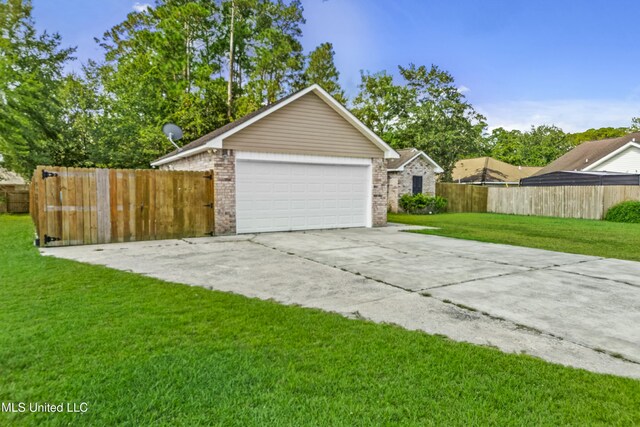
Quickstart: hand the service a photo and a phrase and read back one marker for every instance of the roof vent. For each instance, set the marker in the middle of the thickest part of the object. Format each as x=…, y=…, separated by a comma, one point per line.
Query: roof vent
x=586, y=160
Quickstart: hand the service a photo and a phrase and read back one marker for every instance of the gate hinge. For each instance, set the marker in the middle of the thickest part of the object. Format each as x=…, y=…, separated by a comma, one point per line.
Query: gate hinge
x=48, y=239
x=211, y=233
x=210, y=176
x=209, y=205
x=46, y=174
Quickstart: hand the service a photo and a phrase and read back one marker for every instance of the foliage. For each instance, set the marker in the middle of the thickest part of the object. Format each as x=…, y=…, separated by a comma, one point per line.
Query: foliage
x=597, y=134
x=322, y=70
x=31, y=67
x=538, y=147
x=380, y=103
x=578, y=236
x=422, y=204
x=164, y=64
x=427, y=112
x=628, y=211
x=141, y=351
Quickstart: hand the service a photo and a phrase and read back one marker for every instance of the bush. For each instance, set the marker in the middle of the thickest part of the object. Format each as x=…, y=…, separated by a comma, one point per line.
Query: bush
x=624, y=212
x=422, y=204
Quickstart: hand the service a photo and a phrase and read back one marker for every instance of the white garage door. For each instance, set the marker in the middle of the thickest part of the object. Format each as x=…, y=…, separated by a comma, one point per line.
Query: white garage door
x=279, y=196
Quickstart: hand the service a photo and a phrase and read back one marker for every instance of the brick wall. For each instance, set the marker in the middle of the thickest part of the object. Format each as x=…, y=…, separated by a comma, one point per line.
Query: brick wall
x=392, y=193
x=225, y=191
x=197, y=162
x=379, y=200
x=223, y=163
x=403, y=181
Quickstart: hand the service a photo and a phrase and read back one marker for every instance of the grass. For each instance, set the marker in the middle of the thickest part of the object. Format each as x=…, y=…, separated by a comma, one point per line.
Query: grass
x=142, y=351
x=578, y=236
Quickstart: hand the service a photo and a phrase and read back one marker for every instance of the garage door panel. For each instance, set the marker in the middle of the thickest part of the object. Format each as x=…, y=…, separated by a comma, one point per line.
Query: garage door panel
x=277, y=196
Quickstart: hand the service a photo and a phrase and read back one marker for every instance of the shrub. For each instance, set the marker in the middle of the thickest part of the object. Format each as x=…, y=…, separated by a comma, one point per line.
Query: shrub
x=422, y=204
x=624, y=212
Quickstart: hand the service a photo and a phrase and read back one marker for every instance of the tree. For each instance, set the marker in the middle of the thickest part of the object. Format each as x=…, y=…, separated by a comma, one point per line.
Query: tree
x=173, y=51
x=506, y=145
x=439, y=120
x=199, y=64
x=537, y=147
x=380, y=104
x=597, y=134
x=543, y=144
x=322, y=70
x=31, y=67
x=79, y=131
x=278, y=60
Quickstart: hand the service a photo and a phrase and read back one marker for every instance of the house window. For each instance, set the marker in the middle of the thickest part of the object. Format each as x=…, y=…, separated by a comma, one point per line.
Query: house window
x=417, y=185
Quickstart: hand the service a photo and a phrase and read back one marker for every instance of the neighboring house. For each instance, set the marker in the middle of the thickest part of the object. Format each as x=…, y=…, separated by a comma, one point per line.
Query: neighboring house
x=574, y=178
x=304, y=162
x=620, y=155
x=412, y=173
x=489, y=171
x=10, y=181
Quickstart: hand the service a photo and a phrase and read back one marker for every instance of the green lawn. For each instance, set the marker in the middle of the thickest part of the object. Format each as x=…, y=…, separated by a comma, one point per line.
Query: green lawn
x=141, y=351
x=578, y=236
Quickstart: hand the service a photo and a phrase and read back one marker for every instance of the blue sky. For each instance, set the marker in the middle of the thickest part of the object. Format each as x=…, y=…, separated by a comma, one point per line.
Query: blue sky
x=573, y=63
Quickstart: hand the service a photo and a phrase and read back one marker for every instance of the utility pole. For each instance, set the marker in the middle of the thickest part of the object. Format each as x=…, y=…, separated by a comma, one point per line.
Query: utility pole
x=231, y=57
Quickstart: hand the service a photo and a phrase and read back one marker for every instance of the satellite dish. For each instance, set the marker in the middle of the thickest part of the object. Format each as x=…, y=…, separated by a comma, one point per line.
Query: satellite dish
x=173, y=132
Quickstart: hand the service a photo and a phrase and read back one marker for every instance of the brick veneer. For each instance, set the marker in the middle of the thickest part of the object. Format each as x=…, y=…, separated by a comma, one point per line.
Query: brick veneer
x=379, y=199
x=224, y=170
x=402, y=182
x=392, y=193
x=225, y=191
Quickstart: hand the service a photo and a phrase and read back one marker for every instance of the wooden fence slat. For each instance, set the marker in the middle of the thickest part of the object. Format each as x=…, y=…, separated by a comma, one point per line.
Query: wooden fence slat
x=586, y=202
x=86, y=206
x=103, y=205
x=93, y=204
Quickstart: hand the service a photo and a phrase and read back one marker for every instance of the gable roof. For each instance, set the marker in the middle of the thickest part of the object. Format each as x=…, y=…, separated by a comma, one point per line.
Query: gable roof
x=215, y=139
x=588, y=154
x=488, y=169
x=406, y=156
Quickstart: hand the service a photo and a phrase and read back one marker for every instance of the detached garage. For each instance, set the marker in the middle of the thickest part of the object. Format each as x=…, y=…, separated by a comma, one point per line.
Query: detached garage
x=302, y=163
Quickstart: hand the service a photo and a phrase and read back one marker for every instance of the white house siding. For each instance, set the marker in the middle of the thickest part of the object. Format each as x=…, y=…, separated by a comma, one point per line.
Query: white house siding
x=627, y=161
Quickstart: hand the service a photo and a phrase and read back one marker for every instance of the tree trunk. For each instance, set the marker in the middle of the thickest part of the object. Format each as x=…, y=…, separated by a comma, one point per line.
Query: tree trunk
x=231, y=55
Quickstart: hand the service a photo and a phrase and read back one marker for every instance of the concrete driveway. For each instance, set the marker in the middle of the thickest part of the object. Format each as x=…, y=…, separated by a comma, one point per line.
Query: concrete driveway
x=575, y=310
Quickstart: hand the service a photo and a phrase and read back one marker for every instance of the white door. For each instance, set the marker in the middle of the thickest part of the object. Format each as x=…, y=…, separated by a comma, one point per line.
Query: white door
x=281, y=196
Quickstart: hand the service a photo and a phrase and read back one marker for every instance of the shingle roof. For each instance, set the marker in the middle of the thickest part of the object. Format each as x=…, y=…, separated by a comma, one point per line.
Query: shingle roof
x=588, y=153
x=206, y=138
x=488, y=169
x=8, y=177
x=405, y=155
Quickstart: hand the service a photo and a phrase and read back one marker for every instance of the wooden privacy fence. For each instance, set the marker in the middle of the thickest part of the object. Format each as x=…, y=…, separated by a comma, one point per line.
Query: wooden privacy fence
x=14, y=200
x=73, y=206
x=463, y=198
x=588, y=202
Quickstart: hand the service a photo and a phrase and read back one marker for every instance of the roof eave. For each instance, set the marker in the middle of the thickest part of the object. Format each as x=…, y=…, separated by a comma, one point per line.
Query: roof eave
x=209, y=145
x=389, y=153
x=437, y=168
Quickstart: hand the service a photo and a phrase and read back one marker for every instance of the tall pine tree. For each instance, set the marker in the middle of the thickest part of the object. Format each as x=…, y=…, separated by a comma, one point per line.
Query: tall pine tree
x=322, y=70
x=31, y=68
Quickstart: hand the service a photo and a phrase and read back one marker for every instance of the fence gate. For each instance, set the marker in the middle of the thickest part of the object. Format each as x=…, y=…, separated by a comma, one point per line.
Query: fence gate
x=74, y=206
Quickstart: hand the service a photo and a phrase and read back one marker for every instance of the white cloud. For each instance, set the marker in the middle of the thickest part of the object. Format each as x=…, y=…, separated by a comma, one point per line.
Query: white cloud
x=463, y=89
x=574, y=115
x=141, y=7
